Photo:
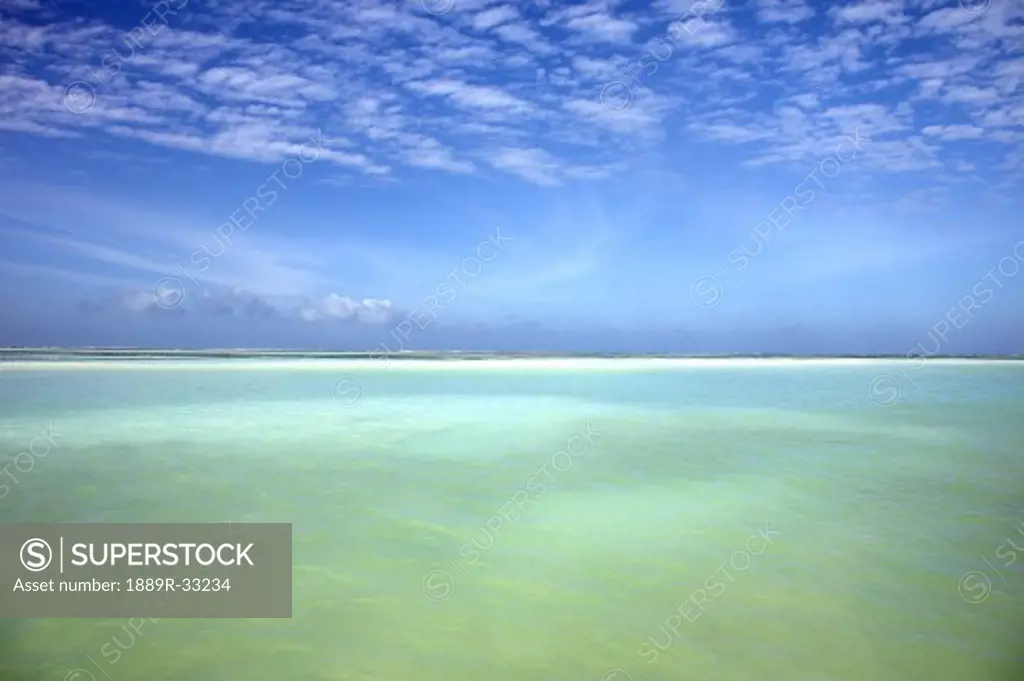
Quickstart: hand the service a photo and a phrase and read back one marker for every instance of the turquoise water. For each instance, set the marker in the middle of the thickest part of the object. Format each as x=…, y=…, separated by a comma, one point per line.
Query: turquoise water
x=710, y=522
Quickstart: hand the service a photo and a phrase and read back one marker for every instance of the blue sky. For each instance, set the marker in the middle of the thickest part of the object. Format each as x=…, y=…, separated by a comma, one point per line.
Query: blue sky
x=773, y=176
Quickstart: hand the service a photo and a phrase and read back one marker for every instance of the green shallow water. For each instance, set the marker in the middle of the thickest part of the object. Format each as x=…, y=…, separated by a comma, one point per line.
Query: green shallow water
x=403, y=572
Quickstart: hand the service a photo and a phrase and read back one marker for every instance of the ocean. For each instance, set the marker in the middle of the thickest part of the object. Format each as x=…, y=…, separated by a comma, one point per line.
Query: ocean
x=570, y=520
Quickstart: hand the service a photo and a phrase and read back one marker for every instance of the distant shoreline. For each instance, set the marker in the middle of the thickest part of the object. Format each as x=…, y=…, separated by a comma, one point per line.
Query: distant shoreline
x=360, y=364
x=8, y=355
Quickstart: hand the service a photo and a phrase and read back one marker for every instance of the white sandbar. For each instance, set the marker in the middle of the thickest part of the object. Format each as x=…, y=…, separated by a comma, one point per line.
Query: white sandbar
x=511, y=363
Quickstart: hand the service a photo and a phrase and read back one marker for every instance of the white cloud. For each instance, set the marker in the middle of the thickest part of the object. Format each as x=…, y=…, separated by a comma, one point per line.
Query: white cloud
x=397, y=87
x=534, y=165
x=601, y=26
x=867, y=11
x=494, y=16
x=471, y=96
x=704, y=32
x=784, y=11
x=343, y=308
x=954, y=132
x=522, y=34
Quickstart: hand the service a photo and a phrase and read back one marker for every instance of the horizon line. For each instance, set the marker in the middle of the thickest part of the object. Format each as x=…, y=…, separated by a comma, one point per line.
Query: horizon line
x=412, y=354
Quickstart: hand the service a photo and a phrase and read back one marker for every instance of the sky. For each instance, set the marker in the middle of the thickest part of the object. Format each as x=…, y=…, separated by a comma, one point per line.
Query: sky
x=773, y=176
